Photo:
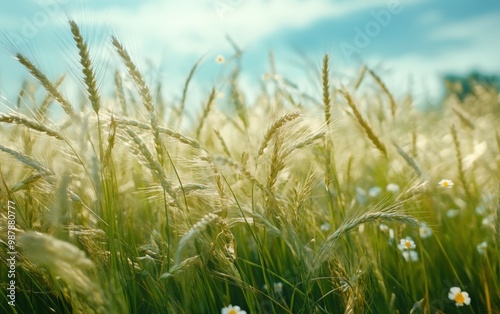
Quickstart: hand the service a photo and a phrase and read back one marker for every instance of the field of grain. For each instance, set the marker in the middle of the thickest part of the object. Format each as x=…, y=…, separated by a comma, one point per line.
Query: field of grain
x=348, y=201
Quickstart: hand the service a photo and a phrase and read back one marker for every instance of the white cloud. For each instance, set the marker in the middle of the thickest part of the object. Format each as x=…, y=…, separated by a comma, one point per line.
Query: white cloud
x=195, y=29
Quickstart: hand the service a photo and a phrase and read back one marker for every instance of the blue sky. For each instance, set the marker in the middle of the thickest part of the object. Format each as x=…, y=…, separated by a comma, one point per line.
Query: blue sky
x=403, y=40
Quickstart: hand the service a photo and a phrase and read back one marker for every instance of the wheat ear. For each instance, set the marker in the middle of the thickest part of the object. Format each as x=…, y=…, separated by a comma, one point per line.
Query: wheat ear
x=186, y=86
x=88, y=71
x=206, y=110
x=120, y=94
x=192, y=233
x=364, y=124
x=460, y=166
x=47, y=84
x=181, y=138
x=277, y=162
x=271, y=131
x=136, y=75
x=42, y=110
x=360, y=78
x=353, y=223
x=27, y=161
x=325, y=80
x=17, y=119
x=145, y=93
x=384, y=88
x=409, y=160
x=223, y=143
x=153, y=165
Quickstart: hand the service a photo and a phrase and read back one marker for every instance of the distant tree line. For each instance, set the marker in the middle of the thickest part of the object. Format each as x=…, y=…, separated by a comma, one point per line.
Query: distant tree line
x=463, y=85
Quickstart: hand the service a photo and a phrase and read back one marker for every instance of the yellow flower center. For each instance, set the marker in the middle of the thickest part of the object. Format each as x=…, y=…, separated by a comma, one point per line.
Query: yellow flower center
x=459, y=298
x=445, y=184
x=407, y=244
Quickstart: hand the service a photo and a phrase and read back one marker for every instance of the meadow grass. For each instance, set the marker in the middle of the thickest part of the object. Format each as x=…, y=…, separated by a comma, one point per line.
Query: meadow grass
x=279, y=206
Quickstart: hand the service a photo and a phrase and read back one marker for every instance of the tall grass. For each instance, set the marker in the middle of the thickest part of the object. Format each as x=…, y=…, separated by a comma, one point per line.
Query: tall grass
x=270, y=207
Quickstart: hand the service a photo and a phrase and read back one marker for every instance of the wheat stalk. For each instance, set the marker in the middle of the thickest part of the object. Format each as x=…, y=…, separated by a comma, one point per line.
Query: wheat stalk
x=42, y=110
x=25, y=182
x=305, y=142
x=46, y=84
x=384, y=88
x=88, y=71
x=326, y=89
x=186, y=86
x=153, y=165
x=27, y=161
x=241, y=168
x=277, y=162
x=181, y=138
x=361, y=75
x=206, y=110
x=18, y=119
x=223, y=143
x=66, y=262
x=120, y=94
x=409, y=160
x=144, y=91
x=195, y=230
x=460, y=166
x=271, y=131
x=327, y=248
x=364, y=124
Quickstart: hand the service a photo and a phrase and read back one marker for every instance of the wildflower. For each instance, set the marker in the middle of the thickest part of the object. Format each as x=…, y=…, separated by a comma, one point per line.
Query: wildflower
x=488, y=221
x=325, y=227
x=277, y=287
x=460, y=297
x=481, y=247
x=445, y=183
x=392, y=187
x=391, y=235
x=219, y=59
x=384, y=228
x=481, y=209
x=232, y=310
x=406, y=244
x=374, y=191
x=410, y=255
x=452, y=213
x=424, y=231
x=360, y=195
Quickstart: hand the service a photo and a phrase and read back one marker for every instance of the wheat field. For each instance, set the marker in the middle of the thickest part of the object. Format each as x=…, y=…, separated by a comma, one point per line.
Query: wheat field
x=349, y=201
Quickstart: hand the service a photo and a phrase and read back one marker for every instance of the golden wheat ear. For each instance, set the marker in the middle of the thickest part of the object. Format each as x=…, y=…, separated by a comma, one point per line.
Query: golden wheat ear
x=392, y=102
x=47, y=84
x=364, y=124
x=325, y=80
x=135, y=74
x=87, y=69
